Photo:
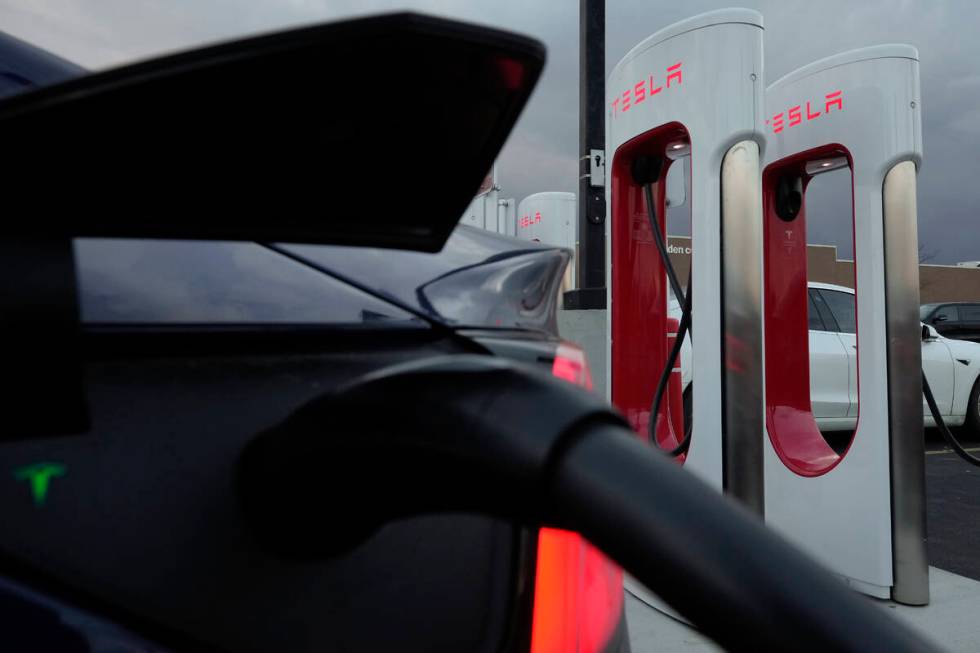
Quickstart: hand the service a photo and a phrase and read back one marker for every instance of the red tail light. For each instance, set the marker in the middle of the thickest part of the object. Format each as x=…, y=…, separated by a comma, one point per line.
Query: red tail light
x=570, y=364
x=578, y=592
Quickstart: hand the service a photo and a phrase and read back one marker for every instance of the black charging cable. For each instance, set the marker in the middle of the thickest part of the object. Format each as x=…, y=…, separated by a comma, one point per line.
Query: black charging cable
x=941, y=425
x=661, y=243
x=646, y=170
x=682, y=330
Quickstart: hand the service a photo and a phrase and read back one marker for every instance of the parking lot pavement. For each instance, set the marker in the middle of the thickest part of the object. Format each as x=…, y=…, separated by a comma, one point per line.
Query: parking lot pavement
x=953, y=509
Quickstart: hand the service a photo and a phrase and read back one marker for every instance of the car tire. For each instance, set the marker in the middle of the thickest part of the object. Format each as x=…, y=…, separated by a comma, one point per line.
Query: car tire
x=972, y=424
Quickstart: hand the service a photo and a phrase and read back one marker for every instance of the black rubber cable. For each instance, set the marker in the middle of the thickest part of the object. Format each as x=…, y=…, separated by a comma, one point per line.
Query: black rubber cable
x=941, y=425
x=682, y=330
x=660, y=242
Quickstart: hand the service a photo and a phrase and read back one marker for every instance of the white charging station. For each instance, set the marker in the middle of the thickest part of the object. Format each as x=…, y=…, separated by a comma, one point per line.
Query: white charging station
x=695, y=87
x=548, y=218
x=861, y=513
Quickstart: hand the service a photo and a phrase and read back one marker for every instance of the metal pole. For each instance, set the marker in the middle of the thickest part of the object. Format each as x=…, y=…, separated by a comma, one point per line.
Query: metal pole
x=910, y=556
x=591, y=263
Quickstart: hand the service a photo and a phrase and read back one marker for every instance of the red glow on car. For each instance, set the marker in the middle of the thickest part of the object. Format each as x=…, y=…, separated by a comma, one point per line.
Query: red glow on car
x=511, y=73
x=570, y=364
x=578, y=595
x=578, y=592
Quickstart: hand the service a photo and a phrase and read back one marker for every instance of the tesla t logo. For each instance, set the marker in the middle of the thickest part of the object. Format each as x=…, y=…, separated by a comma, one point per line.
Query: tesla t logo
x=790, y=243
x=39, y=475
x=647, y=88
x=805, y=113
x=527, y=220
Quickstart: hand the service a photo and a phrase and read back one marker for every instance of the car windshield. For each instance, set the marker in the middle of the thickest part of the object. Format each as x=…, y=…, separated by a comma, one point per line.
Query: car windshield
x=925, y=309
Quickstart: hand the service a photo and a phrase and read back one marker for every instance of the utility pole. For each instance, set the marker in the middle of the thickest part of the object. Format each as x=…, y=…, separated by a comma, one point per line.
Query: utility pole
x=591, y=259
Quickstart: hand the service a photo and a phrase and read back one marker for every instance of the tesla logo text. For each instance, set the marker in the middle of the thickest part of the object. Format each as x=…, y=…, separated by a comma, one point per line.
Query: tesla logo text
x=527, y=220
x=646, y=88
x=805, y=113
x=790, y=244
x=39, y=475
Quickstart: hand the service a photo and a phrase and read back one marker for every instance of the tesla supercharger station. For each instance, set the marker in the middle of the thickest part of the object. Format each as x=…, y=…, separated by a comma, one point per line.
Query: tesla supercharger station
x=548, y=218
x=861, y=513
x=694, y=88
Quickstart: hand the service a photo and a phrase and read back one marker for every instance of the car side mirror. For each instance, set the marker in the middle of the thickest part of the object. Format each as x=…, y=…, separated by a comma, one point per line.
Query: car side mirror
x=940, y=318
x=929, y=333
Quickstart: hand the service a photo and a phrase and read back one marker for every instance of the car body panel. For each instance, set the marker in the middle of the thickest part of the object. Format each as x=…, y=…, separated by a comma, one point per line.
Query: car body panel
x=284, y=161
x=242, y=331
x=966, y=367
x=148, y=499
x=829, y=375
x=849, y=341
x=940, y=370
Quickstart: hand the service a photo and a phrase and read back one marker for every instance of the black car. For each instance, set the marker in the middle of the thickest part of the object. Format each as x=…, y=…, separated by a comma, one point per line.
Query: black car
x=254, y=330
x=208, y=321
x=960, y=320
x=257, y=399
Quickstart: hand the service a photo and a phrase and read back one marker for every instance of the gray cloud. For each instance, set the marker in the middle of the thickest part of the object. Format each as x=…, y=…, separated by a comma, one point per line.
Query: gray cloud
x=541, y=154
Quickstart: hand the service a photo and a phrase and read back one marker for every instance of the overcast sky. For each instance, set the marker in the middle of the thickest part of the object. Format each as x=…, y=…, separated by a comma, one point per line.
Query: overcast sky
x=542, y=151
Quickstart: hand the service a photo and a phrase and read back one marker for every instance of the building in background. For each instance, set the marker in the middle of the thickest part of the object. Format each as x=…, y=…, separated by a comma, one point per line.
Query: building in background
x=937, y=283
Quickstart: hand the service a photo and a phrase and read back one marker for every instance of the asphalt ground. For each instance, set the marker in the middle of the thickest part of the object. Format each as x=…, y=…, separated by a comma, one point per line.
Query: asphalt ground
x=953, y=507
x=953, y=502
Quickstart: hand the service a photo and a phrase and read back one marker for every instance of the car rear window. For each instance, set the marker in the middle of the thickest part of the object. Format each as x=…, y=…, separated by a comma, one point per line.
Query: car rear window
x=970, y=312
x=191, y=282
x=479, y=279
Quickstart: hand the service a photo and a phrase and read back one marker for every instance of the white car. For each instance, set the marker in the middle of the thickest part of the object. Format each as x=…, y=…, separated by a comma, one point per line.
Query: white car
x=952, y=366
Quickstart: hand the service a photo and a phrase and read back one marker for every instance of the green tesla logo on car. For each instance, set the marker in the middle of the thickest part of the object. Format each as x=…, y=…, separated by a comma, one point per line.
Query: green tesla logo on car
x=40, y=475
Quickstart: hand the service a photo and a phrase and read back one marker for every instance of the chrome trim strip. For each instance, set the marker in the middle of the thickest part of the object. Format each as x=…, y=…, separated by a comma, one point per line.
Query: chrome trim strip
x=743, y=425
x=904, y=341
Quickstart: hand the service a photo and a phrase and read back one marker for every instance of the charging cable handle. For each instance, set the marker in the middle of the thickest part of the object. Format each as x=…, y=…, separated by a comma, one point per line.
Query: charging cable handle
x=436, y=435
x=708, y=557
x=480, y=435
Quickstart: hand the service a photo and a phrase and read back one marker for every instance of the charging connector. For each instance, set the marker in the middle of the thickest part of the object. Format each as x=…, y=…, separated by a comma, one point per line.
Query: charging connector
x=941, y=425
